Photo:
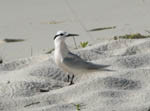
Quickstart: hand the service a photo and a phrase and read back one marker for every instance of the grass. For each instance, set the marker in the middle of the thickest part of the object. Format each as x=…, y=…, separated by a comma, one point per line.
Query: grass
x=13, y=40
x=103, y=28
x=79, y=106
x=84, y=44
x=132, y=36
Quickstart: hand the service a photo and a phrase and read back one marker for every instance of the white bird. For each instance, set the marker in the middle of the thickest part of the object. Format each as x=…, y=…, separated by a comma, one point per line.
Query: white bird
x=70, y=62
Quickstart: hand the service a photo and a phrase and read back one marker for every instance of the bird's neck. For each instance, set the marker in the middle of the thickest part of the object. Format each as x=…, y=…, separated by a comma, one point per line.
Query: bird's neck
x=61, y=48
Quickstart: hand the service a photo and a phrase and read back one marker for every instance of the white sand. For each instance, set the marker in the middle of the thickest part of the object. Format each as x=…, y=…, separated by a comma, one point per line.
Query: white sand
x=34, y=21
x=37, y=84
x=125, y=89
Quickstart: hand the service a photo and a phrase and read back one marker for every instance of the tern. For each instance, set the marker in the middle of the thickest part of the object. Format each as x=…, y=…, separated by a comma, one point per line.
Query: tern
x=70, y=62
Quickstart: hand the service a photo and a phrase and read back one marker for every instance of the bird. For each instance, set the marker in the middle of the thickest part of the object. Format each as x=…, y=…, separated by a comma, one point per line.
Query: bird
x=70, y=62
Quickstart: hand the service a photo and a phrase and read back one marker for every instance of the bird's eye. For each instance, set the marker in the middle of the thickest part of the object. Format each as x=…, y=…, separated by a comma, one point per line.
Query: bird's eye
x=61, y=34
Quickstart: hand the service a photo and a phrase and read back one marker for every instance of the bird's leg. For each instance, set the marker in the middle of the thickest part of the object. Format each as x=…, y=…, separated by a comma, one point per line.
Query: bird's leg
x=68, y=78
x=71, y=82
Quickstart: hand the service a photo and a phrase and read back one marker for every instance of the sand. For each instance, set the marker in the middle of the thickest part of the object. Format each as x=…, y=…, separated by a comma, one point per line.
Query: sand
x=37, y=84
x=33, y=82
x=37, y=22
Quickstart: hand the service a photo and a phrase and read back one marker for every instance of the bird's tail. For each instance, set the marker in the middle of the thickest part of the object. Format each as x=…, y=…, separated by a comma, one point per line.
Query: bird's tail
x=100, y=67
x=105, y=69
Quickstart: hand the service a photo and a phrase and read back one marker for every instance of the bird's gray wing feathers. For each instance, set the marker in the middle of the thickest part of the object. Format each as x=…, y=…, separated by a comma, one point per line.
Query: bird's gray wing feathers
x=75, y=61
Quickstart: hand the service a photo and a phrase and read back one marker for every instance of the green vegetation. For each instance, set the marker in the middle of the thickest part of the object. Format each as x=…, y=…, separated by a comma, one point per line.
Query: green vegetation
x=13, y=40
x=84, y=44
x=103, y=28
x=131, y=36
x=79, y=106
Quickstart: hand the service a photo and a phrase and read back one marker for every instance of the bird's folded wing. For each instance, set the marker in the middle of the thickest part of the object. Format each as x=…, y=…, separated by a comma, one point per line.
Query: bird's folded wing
x=75, y=61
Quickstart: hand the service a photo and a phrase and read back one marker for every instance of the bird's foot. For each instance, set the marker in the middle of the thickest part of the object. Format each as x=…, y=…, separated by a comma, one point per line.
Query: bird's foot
x=71, y=82
x=68, y=78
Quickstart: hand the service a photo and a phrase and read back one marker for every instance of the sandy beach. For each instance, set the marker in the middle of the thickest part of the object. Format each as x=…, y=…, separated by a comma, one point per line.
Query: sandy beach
x=37, y=22
x=31, y=81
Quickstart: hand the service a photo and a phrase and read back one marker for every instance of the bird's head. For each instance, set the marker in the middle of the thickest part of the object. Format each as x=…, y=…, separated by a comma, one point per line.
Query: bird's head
x=61, y=35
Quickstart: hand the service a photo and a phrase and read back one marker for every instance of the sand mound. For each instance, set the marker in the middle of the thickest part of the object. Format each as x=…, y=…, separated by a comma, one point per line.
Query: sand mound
x=37, y=84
